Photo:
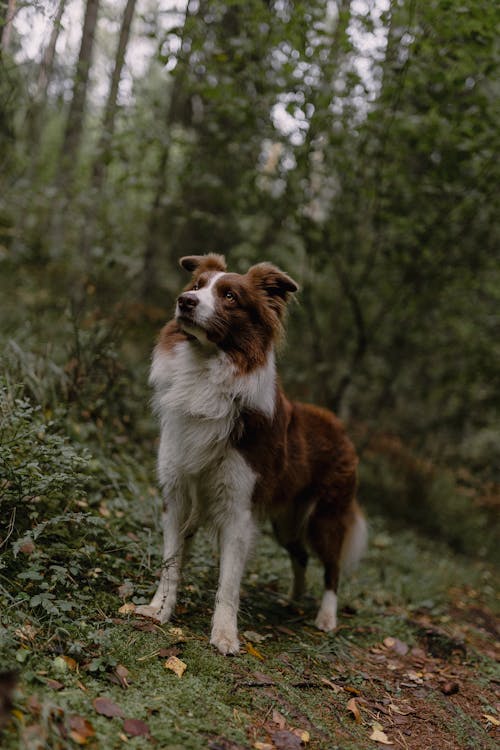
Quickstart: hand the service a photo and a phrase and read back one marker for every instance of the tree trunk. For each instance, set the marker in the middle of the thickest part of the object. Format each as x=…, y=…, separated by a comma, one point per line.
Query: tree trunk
x=74, y=123
x=7, y=13
x=108, y=125
x=47, y=63
x=102, y=155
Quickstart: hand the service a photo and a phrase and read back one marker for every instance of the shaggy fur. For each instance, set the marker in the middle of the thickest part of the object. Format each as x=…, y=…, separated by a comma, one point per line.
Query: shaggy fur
x=234, y=450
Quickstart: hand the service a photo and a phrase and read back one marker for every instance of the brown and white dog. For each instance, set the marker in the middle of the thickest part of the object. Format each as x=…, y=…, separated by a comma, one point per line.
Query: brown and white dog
x=235, y=450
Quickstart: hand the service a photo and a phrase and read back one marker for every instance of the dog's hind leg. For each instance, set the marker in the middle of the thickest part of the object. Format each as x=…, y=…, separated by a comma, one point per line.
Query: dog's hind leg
x=339, y=541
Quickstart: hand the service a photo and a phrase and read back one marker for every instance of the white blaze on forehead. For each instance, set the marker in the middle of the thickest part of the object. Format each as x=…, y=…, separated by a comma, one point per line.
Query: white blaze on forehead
x=206, y=297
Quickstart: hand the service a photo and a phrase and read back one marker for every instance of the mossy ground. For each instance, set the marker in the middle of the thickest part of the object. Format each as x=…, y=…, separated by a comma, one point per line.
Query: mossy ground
x=434, y=685
x=438, y=694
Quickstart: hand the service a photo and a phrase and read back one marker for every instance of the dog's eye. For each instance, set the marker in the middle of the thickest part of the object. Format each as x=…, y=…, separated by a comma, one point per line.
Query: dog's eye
x=230, y=296
x=195, y=288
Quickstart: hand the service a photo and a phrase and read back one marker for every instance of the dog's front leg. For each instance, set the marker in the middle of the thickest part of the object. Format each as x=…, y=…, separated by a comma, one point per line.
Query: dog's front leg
x=235, y=539
x=162, y=604
x=236, y=531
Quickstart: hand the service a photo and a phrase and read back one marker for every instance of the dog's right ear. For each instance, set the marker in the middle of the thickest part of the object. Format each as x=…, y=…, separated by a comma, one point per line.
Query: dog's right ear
x=209, y=262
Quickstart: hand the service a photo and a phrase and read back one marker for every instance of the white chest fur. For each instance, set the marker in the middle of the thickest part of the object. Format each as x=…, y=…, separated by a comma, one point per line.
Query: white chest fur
x=198, y=397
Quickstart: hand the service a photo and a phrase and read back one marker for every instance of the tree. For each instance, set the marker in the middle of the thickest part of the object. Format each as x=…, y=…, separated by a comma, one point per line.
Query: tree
x=75, y=120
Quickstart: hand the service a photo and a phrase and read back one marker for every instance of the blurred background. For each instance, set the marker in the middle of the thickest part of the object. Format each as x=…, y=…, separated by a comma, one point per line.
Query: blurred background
x=353, y=143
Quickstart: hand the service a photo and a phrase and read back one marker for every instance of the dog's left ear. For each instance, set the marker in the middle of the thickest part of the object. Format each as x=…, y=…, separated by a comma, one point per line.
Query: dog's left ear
x=209, y=262
x=277, y=284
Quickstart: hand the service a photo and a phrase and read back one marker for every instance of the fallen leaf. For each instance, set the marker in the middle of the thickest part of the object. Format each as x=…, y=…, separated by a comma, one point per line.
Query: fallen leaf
x=127, y=609
x=254, y=637
x=492, y=720
x=335, y=688
x=178, y=634
x=54, y=684
x=354, y=708
x=253, y=651
x=378, y=735
x=396, y=645
x=122, y=674
x=352, y=690
x=401, y=711
x=106, y=707
x=303, y=735
x=176, y=665
x=136, y=728
x=279, y=719
x=263, y=746
x=70, y=663
x=81, y=730
x=285, y=740
x=126, y=589
x=27, y=548
x=415, y=677
x=450, y=688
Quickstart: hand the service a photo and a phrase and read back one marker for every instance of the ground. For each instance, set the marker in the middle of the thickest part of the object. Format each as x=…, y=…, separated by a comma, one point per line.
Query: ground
x=411, y=664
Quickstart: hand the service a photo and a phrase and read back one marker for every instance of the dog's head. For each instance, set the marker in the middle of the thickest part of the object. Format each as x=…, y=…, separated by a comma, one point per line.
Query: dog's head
x=237, y=312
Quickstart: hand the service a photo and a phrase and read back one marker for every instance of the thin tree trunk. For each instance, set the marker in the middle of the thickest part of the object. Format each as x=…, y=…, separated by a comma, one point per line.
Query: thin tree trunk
x=7, y=13
x=108, y=124
x=47, y=63
x=74, y=123
x=102, y=155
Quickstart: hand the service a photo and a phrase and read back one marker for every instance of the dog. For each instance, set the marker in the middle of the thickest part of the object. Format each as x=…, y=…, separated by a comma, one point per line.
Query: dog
x=234, y=450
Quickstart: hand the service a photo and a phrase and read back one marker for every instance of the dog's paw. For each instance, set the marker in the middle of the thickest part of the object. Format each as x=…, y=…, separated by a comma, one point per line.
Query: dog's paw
x=153, y=613
x=225, y=641
x=326, y=621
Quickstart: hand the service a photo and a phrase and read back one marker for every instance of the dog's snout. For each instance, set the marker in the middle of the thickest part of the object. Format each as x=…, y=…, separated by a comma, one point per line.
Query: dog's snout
x=187, y=301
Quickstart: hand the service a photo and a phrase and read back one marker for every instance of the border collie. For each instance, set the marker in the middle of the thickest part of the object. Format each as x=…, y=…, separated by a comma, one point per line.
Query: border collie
x=234, y=450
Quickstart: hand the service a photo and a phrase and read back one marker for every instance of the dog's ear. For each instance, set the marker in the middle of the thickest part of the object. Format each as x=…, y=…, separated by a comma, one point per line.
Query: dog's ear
x=275, y=283
x=209, y=262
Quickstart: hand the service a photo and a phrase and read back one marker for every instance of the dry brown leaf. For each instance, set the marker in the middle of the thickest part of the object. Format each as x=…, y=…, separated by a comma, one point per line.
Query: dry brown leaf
x=253, y=651
x=107, y=707
x=176, y=665
x=263, y=746
x=279, y=719
x=127, y=609
x=378, y=735
x=136, y=728
x=54, y=684
x=81, y=730
x=401, y=711
x=285, y=740
x=354, y=708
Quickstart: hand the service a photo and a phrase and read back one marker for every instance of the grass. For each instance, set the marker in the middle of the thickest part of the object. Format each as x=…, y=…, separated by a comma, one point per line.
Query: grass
x=79, y=539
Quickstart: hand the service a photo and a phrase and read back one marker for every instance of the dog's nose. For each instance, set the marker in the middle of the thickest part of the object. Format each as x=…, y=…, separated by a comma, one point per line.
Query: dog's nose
x=187, y=301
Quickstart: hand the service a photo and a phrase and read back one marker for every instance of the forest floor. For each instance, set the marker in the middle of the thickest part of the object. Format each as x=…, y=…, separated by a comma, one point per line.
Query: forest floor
x=412, y=664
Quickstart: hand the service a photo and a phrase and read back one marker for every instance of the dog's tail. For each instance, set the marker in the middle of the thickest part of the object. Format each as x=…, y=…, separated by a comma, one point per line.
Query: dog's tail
x=355, y=541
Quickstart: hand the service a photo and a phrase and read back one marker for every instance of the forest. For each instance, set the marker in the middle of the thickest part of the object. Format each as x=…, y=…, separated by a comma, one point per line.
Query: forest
x=354, y=144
